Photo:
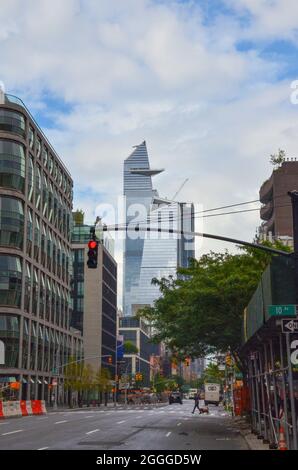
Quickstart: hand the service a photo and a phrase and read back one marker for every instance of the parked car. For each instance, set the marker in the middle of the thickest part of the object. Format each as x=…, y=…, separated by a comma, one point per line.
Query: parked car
x=175, y=397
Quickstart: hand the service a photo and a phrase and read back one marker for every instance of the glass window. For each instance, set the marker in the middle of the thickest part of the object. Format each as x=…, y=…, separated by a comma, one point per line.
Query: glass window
x=11, y=222
x=30, y=179
x=45, y=195
x=31, y=137
x=50, y=201
x=12, y=165
x=38, y=147
x=9, y=334
x=12, y=121
x=37, y=187
x=10, y=281
x=36, y=238
x=29, y=232
x=28, y=285
x=51, y=164
x=45, y=156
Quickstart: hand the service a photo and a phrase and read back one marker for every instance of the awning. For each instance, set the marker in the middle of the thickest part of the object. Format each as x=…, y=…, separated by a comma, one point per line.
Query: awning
x=39, y=381
x=32, y=381
x=24, y=380
x=44, y=380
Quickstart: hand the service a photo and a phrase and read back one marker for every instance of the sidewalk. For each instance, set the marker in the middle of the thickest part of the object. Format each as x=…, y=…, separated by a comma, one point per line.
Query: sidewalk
x=252, y=441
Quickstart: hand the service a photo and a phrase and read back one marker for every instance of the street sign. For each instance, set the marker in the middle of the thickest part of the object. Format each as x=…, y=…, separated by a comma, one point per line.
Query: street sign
x=288, y=325
x=282, y=310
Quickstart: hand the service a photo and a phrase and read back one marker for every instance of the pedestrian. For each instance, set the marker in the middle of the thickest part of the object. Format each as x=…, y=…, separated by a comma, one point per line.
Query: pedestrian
x=197, y=398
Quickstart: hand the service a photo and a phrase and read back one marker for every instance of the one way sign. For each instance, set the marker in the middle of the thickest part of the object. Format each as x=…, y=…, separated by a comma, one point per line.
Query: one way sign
x=289, y=325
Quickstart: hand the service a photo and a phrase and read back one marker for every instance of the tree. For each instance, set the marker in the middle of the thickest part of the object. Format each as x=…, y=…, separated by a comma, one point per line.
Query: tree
x=278, y=159
x=201, y=311
x=213, y=374
x=130, y=348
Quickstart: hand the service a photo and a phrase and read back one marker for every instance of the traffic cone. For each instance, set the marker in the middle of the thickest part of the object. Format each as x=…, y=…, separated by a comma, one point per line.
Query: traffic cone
x=282, y=445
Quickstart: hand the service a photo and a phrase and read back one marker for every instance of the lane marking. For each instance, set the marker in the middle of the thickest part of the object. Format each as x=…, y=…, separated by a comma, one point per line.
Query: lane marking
x=179, y=424
x=94, y=430
x=59, y=422
x=167, y=435
x=120, y=422
x=43, y=448
x=12, y=432
x=88, y=417
x=45, y=417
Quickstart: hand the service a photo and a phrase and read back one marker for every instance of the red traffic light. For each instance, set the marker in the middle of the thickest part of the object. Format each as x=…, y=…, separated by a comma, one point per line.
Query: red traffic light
x=92, y=244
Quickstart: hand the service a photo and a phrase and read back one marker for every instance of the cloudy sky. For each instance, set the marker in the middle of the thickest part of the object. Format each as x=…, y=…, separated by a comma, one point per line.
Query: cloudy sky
x=207, y=84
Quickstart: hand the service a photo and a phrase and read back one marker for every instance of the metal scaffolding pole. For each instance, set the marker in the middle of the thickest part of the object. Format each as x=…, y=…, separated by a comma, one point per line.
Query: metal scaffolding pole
x=262, y=377
x=291, y=393
x=257, y=379
x=284, y=389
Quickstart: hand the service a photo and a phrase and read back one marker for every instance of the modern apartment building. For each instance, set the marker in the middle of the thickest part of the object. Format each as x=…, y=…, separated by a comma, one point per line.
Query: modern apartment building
x=35, y=250
x=137, y=332
x=94, y=296
x=151, y=255
x=276, y=211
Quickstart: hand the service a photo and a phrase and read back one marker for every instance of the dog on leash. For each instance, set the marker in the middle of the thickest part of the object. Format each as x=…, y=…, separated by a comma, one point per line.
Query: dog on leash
x=204, y=410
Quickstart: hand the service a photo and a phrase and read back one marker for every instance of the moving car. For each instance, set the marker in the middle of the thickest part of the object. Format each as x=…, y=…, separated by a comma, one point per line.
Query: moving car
x=175, y=397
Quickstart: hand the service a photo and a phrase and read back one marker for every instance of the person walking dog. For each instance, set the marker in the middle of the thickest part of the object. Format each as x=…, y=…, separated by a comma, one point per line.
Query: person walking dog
x=197, y=398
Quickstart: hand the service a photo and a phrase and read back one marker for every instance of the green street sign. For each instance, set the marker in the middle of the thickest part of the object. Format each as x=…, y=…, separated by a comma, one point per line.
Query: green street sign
x=282, y=310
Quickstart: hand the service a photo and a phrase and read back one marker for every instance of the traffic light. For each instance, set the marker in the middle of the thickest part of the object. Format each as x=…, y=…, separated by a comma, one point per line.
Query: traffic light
x=228, y=360
x=92, y=254
x=139, y=377
x=110, y=360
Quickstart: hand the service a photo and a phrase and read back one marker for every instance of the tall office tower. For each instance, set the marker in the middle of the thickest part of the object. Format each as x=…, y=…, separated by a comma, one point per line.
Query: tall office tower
x=151, y=255
x=35, y=217
x=94, y=294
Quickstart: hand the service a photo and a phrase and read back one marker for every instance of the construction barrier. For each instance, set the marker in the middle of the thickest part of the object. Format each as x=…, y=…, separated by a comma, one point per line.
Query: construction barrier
x=9, y=409
x=43, y=407
x=36, y=407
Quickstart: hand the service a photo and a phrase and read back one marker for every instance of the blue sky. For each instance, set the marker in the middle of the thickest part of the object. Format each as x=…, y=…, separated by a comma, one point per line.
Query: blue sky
x=206, y=83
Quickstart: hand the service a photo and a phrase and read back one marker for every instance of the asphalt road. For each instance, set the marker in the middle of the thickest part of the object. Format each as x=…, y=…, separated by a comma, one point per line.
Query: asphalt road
x=171, y=427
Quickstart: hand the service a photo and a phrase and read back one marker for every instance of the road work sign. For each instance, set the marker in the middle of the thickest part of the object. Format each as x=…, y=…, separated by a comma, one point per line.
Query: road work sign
x=289, y=325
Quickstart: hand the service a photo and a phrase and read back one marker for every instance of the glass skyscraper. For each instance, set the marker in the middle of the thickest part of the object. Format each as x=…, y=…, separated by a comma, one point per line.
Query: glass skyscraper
x=150, y=255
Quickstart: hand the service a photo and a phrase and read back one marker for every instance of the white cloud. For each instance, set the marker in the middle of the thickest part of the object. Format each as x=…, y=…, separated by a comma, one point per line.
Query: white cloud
x=138, y=70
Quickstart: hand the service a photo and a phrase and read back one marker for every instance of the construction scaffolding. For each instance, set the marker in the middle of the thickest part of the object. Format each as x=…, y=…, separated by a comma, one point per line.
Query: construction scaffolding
x=271, y=357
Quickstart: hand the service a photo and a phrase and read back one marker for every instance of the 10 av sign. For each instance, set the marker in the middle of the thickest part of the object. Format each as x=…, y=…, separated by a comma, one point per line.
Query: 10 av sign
x=289, y=325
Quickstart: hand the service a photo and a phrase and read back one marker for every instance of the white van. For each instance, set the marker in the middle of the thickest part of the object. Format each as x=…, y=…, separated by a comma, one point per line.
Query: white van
x=212, y=394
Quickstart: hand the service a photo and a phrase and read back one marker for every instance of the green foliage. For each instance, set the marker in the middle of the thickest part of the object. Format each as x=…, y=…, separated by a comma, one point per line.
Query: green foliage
x=201, y=311
x=212, y=374
x=130, y=348
x=278, y=158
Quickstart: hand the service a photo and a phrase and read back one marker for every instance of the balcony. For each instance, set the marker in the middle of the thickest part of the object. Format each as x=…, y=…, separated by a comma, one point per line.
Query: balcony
x=266, y=211
x=266, y=190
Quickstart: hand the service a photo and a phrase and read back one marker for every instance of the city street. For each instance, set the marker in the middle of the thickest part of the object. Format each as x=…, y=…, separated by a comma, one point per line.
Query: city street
x=171, y=427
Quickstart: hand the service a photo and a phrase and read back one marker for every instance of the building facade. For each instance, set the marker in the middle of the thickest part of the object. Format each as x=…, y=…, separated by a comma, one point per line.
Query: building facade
x=137, y=332
x=151, y=255
x=35, y=218
x=276, y=211
x=94, y=298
